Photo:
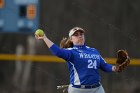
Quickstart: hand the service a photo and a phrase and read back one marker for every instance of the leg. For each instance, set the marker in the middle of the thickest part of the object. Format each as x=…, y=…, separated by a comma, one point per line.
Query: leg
x=100, y=90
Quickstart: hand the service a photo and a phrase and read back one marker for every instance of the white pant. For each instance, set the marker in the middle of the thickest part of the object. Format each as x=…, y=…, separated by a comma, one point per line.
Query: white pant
x=80, y=90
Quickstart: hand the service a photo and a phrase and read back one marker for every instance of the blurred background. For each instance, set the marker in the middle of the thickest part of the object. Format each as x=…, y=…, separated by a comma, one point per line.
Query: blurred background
x=27, y=65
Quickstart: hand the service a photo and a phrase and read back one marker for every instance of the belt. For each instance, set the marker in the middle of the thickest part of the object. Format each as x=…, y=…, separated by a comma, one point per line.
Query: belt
x=87, y=86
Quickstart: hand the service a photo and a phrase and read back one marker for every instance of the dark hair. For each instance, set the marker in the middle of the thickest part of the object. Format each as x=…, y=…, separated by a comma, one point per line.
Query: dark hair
x=66, y=43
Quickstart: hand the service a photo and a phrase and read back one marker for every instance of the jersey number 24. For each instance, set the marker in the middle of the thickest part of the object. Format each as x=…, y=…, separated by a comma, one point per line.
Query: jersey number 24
x=92, y=64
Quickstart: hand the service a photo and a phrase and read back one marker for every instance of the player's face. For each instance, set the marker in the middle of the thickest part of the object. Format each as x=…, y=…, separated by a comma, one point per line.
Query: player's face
x=78, y=38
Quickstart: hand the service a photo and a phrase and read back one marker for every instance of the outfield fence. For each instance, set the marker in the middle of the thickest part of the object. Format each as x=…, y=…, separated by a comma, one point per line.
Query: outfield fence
x=49, y=58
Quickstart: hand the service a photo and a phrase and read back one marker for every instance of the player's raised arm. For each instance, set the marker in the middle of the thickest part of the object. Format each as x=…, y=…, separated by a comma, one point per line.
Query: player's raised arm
x=39, y=34
x=57, y=51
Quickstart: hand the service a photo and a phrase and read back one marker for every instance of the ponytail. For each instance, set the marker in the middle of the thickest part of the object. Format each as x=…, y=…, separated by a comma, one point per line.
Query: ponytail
x=66, y=43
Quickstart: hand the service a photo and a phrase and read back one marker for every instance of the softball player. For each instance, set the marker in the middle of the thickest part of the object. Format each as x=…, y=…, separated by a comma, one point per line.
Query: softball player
x=83, y=62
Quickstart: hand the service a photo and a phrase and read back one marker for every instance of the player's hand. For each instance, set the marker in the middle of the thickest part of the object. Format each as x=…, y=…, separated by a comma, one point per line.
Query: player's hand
x=40, y=37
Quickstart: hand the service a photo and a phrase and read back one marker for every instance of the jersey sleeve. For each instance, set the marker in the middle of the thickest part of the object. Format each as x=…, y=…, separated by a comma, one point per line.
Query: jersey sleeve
x=105, y=66
x=62, y=53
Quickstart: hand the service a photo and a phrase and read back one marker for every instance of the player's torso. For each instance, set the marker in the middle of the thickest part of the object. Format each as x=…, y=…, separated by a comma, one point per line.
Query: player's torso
x=86, y=61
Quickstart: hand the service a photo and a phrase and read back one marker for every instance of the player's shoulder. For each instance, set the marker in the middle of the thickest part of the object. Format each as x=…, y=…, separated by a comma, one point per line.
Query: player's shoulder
x=92, y=49
x=71, y=48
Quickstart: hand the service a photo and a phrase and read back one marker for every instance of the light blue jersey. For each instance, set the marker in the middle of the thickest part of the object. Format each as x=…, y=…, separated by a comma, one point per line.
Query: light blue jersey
x=83, y=63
